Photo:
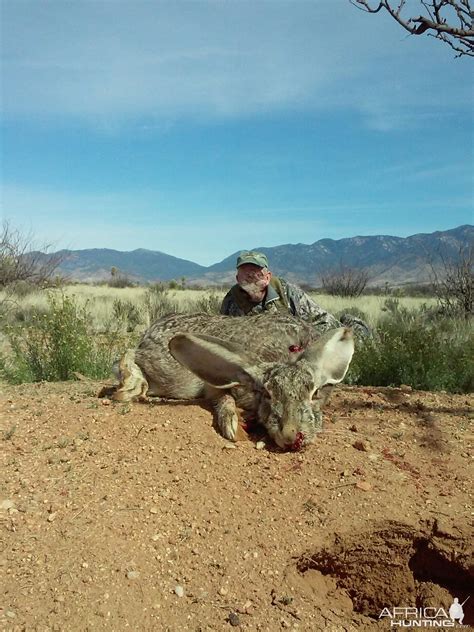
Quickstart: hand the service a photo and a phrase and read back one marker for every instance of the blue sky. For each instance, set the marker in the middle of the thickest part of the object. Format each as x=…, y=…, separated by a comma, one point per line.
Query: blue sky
x=202, y=128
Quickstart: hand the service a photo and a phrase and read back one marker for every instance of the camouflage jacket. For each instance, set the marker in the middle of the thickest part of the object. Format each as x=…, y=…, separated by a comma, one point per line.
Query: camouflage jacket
x=280, y=295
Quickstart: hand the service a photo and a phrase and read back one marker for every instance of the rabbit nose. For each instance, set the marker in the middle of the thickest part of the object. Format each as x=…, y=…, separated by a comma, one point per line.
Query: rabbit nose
x=297, y=444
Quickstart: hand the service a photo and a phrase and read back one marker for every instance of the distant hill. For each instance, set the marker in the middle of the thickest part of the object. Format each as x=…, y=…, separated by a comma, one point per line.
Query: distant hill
x=395, y=260
x=138, y=265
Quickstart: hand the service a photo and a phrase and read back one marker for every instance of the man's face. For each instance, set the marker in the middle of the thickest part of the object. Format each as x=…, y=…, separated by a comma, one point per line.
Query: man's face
x=253, y=280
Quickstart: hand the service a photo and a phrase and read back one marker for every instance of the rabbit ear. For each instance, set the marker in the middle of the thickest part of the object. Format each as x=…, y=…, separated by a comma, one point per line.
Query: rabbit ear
x=331, y=355
x=215, y=361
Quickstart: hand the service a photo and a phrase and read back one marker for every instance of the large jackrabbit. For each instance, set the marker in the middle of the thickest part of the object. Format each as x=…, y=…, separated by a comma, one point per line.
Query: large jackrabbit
x=272, y=365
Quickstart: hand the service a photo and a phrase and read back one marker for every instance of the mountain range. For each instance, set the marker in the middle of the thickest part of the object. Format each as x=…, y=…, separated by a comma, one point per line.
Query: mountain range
x=386, y=259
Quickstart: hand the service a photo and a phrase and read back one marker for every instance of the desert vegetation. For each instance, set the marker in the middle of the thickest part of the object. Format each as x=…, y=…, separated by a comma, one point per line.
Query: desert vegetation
x=25, y=265
x=345, y=281
x=421, y=347
x=51, y=331
x=61, y=333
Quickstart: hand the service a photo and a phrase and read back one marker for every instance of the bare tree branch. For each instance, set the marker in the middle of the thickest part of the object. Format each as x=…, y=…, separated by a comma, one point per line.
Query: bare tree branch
x=345, y=281
x=453, y=281
x=450, y=21
x=19, y=261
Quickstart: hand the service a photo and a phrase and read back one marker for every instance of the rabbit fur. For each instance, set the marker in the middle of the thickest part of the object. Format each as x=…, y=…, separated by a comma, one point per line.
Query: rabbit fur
x=275, y=366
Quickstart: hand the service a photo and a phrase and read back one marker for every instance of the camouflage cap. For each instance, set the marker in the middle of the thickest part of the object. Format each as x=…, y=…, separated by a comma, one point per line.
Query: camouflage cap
x=257, y=258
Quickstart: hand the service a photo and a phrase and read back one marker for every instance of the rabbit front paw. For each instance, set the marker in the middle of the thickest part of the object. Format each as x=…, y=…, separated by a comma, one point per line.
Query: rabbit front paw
x=228, y=422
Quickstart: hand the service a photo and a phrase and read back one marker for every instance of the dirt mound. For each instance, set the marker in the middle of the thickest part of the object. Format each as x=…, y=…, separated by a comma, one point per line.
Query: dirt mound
x=141, y=517
x=393, y=563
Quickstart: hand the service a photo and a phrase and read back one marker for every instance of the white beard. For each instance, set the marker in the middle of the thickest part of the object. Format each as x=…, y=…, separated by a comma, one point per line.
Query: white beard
x=254, y=289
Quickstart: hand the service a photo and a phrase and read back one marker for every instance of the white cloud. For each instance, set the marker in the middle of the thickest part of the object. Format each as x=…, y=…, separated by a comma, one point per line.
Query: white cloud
x=127, y=60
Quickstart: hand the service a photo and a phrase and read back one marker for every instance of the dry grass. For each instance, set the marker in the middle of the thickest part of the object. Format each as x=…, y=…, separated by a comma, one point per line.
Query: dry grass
x=372, y=306
x=100, y=301
x=112, y=319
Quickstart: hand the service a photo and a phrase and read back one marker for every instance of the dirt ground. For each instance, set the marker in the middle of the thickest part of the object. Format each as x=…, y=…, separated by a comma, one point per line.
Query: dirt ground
x=141, y=517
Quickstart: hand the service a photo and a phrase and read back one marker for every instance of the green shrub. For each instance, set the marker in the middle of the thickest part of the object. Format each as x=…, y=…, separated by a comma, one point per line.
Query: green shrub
x=391, y=305
x=21, y=289
x=26, y=313
x=120, y=281
x=127, y=313
x=177, y=285
x=353, y=311
x=426, y=354
x=209, y=303
x=53, y=346
x=158, y=302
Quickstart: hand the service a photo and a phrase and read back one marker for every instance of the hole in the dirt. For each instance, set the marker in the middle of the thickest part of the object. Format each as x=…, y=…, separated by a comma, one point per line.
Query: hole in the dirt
x=428, y=565
x=396, y=566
